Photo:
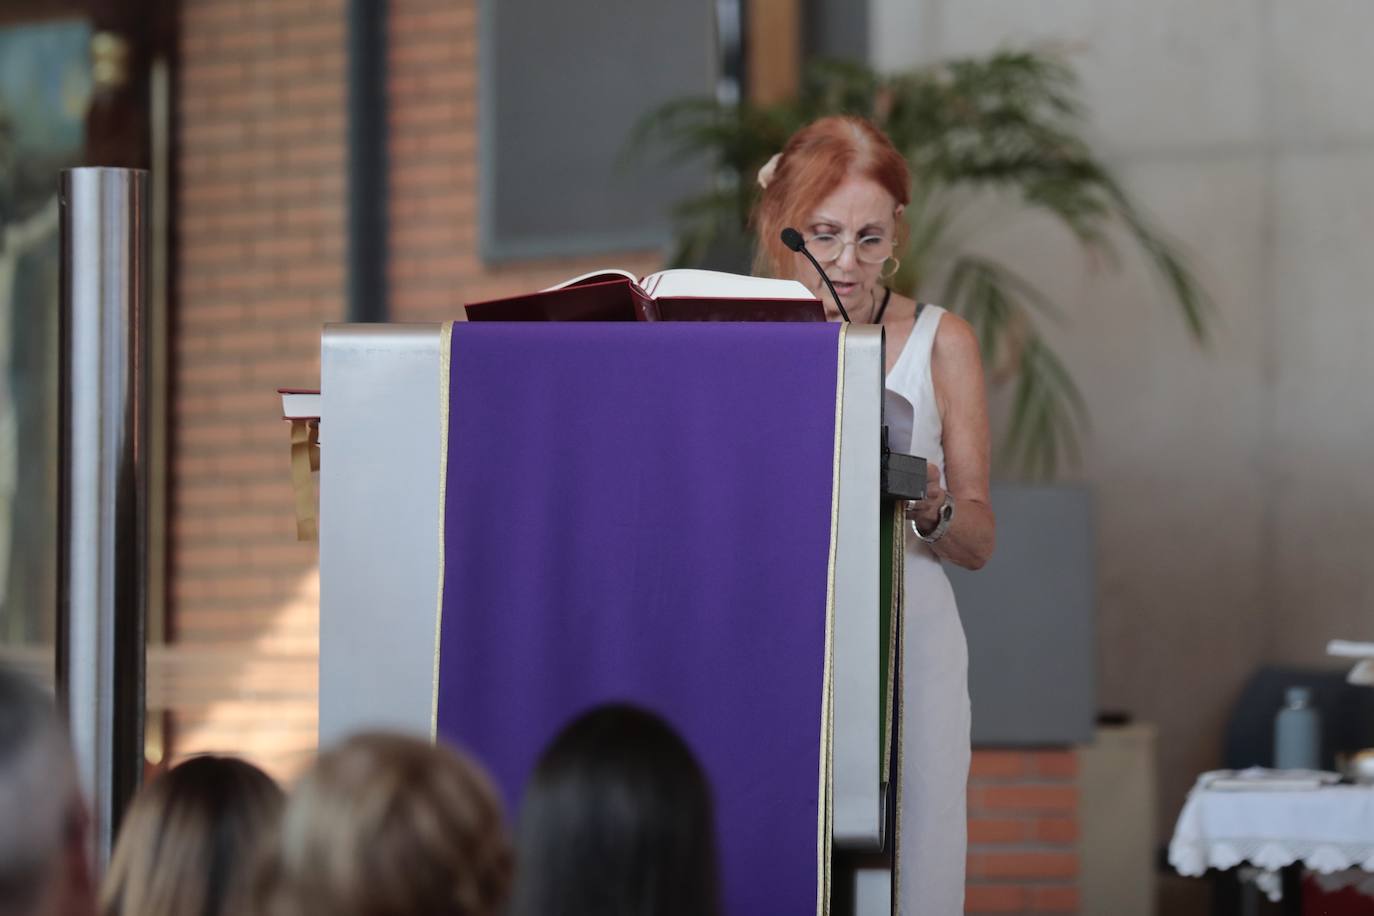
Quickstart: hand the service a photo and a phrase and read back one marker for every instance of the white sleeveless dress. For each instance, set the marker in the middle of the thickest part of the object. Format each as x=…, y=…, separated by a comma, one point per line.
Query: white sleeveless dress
x=932, y=827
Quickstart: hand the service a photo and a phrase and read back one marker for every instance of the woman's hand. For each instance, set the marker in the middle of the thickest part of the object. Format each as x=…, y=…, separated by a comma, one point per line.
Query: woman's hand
x=926, y=512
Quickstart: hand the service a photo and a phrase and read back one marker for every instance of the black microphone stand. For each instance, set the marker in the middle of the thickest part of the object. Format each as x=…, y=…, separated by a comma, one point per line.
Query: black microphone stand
x=793, y=240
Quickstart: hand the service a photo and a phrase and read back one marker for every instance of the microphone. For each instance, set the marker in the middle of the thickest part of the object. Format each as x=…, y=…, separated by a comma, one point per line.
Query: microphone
x=793, y=239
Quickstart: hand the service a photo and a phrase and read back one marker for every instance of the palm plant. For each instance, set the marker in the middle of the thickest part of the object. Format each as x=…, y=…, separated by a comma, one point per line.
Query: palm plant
x=1007, y=125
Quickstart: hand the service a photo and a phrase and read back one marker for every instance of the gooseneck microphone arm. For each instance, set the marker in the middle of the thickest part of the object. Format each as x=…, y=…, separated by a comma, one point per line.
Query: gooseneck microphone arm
x=793, y=239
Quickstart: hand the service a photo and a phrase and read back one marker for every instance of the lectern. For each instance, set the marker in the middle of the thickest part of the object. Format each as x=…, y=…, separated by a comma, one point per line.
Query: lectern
x=424, y=577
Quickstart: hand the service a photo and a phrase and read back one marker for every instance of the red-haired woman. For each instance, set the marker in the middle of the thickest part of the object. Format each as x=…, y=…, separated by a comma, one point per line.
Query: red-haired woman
x=842, y=184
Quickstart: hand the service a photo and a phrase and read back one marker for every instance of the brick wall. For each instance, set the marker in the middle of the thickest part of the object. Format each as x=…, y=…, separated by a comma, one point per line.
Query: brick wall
x=1023, y=832
x=434, y=264
x=262, y=157
x=260, y=133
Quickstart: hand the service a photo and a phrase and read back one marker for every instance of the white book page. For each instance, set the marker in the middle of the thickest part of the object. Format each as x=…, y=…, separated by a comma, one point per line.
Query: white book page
x=605, y=273
x=300, y=405
x=714, y=284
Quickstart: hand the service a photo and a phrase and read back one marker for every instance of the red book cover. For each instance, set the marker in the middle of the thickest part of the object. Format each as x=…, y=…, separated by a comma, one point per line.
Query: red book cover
x=688, y=295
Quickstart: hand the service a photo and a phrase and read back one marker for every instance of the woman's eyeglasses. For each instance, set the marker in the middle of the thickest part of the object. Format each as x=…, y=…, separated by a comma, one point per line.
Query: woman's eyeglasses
x=871, y=249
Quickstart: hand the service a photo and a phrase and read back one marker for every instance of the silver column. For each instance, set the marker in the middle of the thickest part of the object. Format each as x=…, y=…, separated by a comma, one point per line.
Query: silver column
x=102, y=494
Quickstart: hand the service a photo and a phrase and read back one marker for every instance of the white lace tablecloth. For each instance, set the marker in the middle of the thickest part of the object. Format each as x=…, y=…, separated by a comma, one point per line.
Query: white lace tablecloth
x=1328, y=829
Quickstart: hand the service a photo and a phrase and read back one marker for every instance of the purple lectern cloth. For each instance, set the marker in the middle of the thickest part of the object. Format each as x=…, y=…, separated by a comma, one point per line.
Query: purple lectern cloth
x=641, y=512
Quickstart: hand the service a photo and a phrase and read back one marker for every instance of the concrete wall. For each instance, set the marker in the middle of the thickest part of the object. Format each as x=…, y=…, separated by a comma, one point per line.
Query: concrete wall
x=1234, y=510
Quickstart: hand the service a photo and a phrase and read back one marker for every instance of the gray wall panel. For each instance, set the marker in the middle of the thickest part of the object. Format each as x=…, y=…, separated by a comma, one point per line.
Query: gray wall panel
x=1029, y=617
x=562, y=85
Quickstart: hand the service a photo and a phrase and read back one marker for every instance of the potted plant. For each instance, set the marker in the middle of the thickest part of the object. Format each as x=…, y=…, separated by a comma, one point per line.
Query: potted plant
x=1010, y=125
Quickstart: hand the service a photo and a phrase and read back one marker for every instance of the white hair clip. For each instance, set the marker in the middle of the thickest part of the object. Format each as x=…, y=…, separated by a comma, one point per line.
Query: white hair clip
x=769, y=167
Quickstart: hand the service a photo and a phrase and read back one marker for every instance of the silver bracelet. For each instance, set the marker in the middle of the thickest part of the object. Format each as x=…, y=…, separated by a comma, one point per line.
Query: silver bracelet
x=945, y=516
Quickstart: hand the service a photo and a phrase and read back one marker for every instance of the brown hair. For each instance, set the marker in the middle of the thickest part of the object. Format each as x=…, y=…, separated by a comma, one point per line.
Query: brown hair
x=387, y=824
x=814, y=162
x=190, y=839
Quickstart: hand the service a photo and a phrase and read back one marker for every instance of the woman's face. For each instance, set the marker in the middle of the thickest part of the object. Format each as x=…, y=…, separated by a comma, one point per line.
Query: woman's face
x=859, y=209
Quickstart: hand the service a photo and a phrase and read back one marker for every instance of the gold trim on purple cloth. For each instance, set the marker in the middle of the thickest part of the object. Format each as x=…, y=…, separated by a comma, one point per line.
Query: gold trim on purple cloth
x=445, y=365
x=895, y=694
x=897, y=596
x=826, y=818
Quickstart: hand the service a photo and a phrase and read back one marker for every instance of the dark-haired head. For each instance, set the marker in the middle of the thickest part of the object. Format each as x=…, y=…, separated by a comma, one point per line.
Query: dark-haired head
x=616, y=821
x=44, y=827
x=190, y=841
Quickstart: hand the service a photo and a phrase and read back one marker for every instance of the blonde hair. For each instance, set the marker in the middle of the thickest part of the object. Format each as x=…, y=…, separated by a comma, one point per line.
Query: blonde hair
x=813, y=163
x=387, y=824
x=189, y=841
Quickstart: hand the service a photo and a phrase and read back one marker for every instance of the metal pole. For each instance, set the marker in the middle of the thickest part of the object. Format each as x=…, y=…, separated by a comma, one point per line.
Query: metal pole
x=102, y=491
x=367, y=160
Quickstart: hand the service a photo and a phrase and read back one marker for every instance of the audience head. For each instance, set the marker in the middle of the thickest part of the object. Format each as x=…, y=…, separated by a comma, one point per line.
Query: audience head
x=617, y=821
x=44, y=826
x=190, y=840
x=384, y=825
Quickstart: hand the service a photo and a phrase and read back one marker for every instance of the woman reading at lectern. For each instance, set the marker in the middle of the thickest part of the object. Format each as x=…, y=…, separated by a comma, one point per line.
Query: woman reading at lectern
x=841, y=183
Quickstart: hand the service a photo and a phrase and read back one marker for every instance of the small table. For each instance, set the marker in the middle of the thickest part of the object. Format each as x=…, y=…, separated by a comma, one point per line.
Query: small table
x=1280, y=832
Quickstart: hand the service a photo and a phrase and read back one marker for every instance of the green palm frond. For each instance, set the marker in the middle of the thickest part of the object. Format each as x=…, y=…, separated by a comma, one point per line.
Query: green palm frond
x=1047, y=412
x=1009, y=125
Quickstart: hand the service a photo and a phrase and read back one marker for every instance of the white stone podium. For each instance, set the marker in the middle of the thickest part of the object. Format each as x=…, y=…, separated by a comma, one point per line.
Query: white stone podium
x=379, y=559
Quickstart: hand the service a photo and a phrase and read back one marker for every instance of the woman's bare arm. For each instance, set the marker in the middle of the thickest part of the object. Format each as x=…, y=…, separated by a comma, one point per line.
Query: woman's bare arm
x=957, y=370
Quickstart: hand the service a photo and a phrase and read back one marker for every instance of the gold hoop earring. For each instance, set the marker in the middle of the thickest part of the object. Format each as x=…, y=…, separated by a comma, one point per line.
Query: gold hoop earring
x=889, y=274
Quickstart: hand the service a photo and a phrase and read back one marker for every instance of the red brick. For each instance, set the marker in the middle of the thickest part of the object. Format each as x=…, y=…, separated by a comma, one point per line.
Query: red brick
x=250, y=526
x=212, y=17
x=451, y=83
x=198, y=74
x=323, y=31
x=421, y=242
x=1055, y=764
x=206, y=557
x=256, y=464
x=432, y=176
x=213, y=251
x=420, y=55
x=996, y=830
x=1061, y=831
x=997, y=765
x=244, y=340
x=297, y=371
x=1054, y=900
x=252, y=39
x=426, y=21
x=247, y=220
x=998, y=898
x=308, y=94
x=1023, y=865
x=315, y=275
x=246, y=162
x=310, y=126
x=425, y=139
x=205, y=493
x=230, y=99
x=211, y=193
x=1028, y=798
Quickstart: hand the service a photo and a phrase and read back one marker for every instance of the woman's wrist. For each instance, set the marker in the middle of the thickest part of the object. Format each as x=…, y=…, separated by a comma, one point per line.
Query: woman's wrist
x=932, y=527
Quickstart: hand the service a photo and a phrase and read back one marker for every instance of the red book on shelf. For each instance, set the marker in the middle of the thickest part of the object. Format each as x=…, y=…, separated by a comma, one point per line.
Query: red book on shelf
x=669, y=295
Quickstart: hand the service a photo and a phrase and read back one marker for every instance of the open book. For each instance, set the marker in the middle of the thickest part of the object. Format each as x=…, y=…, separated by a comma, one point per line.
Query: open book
x=669, y=295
